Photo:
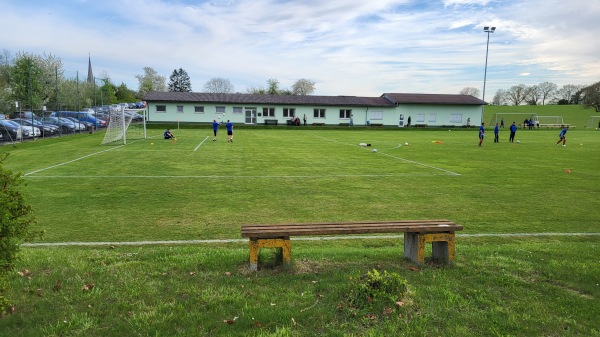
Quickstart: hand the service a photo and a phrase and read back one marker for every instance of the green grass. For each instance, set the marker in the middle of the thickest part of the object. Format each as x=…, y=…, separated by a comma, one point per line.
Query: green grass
x=158, y=190
x=575, y=115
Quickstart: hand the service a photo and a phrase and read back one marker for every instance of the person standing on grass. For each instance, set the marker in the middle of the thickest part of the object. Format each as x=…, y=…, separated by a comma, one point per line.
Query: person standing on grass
x=481, y=134
x=513, y=131
x=229, y=127
x=496, y=130
x=304, y=119
x=502, y=122
x=562, y=136
x=215, y=126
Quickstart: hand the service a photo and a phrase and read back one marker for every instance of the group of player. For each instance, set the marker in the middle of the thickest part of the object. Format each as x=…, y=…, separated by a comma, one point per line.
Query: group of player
x=215, y=126
x=513, y=129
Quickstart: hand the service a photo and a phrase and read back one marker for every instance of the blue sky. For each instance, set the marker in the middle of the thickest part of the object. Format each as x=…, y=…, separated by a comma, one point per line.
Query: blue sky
x=349, y=47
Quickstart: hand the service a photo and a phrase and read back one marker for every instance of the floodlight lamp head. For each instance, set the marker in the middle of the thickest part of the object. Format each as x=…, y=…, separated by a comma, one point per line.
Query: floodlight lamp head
x=486, y=28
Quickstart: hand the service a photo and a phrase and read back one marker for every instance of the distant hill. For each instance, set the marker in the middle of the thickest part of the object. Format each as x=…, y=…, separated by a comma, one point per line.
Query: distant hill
x=572, y=114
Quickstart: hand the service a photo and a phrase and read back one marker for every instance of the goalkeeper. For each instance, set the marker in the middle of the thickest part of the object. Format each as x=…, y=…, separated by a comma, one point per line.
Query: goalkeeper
x=168, y=134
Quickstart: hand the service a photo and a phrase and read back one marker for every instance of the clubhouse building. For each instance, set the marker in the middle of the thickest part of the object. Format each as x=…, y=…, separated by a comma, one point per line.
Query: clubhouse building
x=389, y=109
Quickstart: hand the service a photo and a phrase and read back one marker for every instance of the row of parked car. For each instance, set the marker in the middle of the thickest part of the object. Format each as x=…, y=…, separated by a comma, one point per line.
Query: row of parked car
x=23, y=125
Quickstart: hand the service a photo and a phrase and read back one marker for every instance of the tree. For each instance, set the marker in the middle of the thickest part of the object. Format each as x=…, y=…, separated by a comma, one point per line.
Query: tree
x=469, y=91
x=517, y=94
x=566, y=93
x=150, y=81
x=303, y=87
x=15, y=218
x=591, y=96
x=26, y=84
x=546, y=90
x=180, y=81
x=500, y=97
x=124, y=94
x=218, y=85
x=533, y=95
x=272, y=86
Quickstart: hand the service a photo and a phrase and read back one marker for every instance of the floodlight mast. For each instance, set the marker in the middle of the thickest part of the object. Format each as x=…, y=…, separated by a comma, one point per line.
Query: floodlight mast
x=488, y=30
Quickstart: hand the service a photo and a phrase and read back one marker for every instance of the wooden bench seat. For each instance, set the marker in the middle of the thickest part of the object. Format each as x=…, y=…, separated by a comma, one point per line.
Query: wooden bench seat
x=271, y=122
x=318, y=124
x=417, y=233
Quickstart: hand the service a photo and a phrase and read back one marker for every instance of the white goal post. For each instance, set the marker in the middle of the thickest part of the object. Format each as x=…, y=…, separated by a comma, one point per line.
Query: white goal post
x=594, y=122
x=509, y=117
x=124, y=125
x=551, y=120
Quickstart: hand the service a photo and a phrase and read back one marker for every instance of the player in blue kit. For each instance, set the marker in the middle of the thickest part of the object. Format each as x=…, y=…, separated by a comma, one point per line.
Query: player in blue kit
x=562, y=136
x=481, y=134
x=215, y=128
x=229, y=127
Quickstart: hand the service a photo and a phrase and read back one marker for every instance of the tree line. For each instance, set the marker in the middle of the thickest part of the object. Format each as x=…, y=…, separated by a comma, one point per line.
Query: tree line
x=30, y=82
x=544, y=93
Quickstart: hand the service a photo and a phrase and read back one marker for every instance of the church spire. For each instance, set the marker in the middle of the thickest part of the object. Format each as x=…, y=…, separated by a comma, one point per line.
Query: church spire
x=90, y=77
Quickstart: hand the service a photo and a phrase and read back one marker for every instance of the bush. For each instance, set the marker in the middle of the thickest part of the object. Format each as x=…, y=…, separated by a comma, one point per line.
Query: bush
x=15, y=218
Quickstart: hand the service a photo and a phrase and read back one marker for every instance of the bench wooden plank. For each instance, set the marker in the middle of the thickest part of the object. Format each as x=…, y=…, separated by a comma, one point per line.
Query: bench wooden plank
x=417, y=233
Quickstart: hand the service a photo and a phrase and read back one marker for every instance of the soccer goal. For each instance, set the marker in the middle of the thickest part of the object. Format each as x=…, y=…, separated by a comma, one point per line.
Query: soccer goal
x=509, y=117
x=594, y=122
x=551, y=120
x=125, y=125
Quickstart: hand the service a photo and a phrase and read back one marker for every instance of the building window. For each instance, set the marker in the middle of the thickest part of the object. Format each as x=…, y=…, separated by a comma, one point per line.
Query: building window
x=220, y=109
x=456, y=118
x=376, y=115
x=198, y=109
x=268, y=112
x=420, y=118
x=237, y=110
x=289, y=112
x=180, y=108
x=319, y=113
x=161, y=108
x=345, y=113
x=432, y=118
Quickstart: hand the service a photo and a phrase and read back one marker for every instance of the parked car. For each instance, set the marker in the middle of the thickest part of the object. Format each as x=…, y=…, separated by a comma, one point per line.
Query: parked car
x=66, y=126
x=45, y=129
x=140, y=105
x=10, y=131
x=81, y=116
x=22, y=114
x=27, y=130
x=88, y=125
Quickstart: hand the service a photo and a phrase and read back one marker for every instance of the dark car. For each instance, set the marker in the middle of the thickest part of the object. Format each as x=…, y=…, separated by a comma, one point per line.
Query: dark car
x=66, y=126
x=10, y=131
x=22, y=114
x=88, y=125
x=46, y=129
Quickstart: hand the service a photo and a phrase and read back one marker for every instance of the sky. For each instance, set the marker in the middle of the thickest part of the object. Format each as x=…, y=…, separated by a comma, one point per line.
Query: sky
x=347, y=47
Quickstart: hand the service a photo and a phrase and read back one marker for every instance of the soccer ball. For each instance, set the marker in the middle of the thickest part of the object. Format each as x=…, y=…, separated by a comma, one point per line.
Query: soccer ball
x=406, y=144
x=151, y=143
x=374, y=150
x=518, y=141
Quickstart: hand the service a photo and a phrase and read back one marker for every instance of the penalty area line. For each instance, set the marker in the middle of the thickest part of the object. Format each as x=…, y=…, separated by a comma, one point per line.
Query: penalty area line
x=310, y=238
x=202, y=142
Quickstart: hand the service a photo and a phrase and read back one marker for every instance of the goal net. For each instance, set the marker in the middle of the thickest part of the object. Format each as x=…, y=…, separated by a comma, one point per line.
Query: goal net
x=123, y=126
x=509, y=117
x=594, y=122
x=551, y=120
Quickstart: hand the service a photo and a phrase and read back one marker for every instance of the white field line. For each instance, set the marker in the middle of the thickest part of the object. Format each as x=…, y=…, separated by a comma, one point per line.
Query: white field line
x=311, y=238
x=72, y=161
x=391, y=156
x=202, y=142
x=249, y=177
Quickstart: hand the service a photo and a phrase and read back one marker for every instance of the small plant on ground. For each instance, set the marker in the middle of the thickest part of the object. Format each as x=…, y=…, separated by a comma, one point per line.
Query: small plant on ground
x=376, y=295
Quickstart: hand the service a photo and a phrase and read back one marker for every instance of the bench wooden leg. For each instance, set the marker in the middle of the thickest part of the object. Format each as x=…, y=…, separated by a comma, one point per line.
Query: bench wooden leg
x=282, y=243
x=443, y=245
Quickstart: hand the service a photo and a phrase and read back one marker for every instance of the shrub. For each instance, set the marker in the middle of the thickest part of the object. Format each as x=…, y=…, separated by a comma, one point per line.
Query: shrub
x=15, y=218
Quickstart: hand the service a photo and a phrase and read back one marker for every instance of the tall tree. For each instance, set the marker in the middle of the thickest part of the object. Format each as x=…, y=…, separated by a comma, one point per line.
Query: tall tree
x=26, y=82
x=303, y=87
x=500, y=97
x=591, y=96
x=179, y=81
x=547, y=90
x=517, y=94
x=272, y=86
x=218, y=85
x=566, y=93
x=534, y=95
x=469, y=91
x=150, y=80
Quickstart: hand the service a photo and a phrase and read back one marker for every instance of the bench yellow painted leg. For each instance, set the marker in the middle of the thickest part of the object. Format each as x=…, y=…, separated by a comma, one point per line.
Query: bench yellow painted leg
x=257, y=244
x=443, y=246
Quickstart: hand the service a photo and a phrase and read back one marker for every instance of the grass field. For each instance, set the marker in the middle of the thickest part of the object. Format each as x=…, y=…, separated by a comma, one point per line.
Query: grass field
x=543, y=281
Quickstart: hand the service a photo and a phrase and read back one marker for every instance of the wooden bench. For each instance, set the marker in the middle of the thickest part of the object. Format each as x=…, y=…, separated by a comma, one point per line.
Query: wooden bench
x=318, y=124
x=344, y=124
x=417, y=233
x=375, y=124
x=270, y=122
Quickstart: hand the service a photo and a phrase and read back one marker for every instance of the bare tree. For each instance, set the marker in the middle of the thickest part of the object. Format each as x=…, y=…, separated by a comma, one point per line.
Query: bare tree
x=517, y=94
x=566, y=92
x=500, y=97
x=218, y=85
x=303, y=87
x=150, y=81
x=547, y=90
x=272, y=86
x=533, y=95
x=469, y=91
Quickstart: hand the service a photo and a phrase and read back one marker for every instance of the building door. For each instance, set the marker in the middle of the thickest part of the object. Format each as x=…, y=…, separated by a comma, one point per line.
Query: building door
x=250, y=115
x=401, y=120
